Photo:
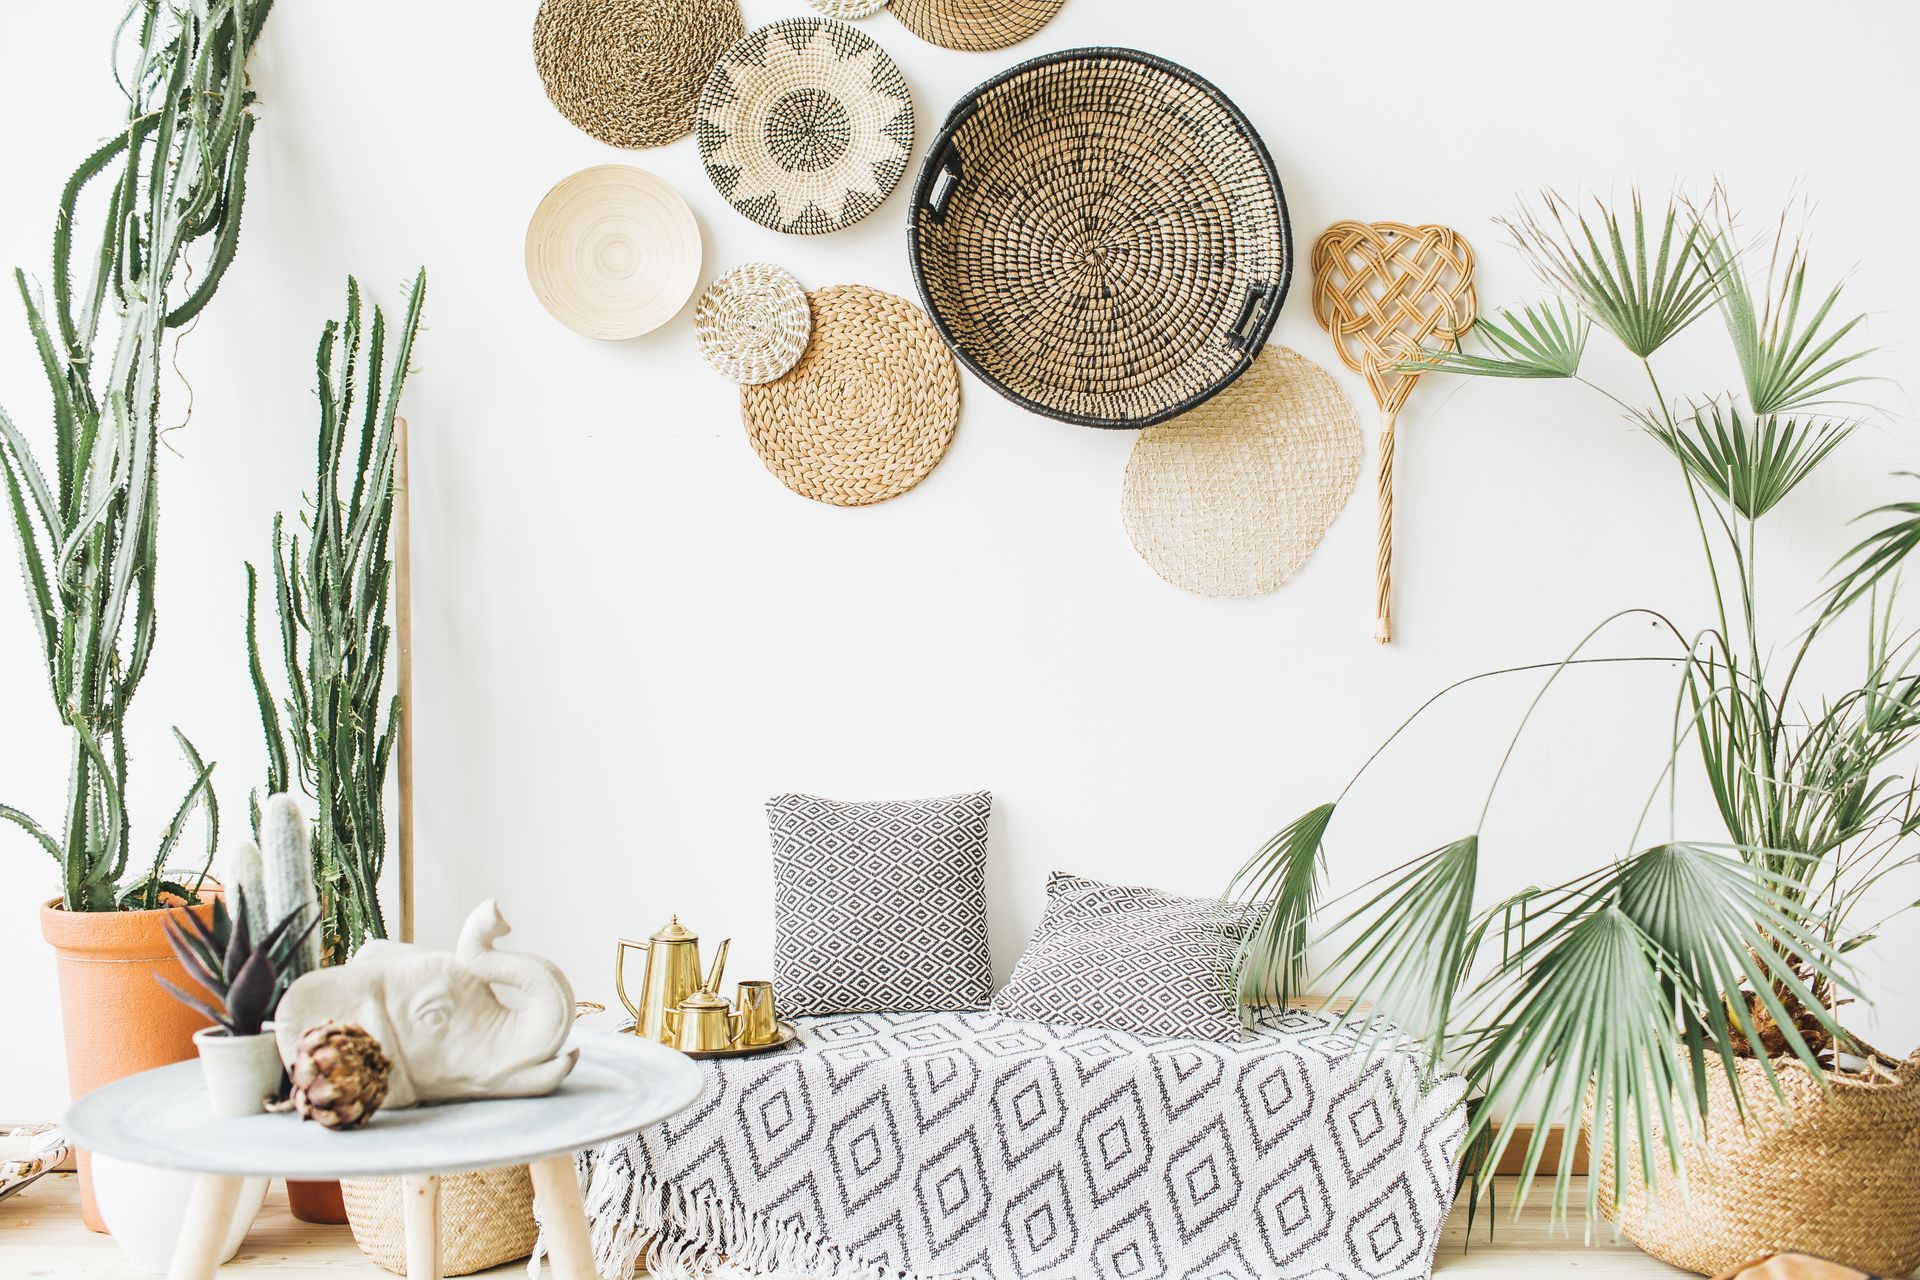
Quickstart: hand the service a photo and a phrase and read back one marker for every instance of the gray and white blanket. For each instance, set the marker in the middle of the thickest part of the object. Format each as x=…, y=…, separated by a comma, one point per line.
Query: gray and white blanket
x=912, y=1146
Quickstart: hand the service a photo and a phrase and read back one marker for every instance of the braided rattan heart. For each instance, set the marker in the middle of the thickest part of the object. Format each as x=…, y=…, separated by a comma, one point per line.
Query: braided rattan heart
x=1382, y=291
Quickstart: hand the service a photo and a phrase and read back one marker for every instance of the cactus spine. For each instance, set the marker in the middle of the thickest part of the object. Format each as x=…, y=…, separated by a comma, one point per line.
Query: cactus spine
x=286, y=868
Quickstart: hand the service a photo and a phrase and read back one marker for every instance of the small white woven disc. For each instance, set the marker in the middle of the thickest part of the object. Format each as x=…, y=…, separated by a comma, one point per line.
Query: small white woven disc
x=752, y=323
x=1231, y=498
x=848, y=8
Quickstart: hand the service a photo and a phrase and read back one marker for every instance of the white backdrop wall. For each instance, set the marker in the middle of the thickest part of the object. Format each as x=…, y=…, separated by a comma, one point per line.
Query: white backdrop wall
x=629, y=634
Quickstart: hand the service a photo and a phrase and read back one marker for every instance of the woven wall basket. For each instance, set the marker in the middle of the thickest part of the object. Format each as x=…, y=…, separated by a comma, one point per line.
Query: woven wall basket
x=629, y=71
x=1835, y=1175
x=486, y=1218
x=805, y=125
x=1101, y=236
x=975, y=24
x=1231, y=499
x=867, y=412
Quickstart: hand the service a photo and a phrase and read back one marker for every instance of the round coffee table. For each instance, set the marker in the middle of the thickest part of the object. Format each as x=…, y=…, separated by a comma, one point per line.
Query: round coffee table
x=620, y=1086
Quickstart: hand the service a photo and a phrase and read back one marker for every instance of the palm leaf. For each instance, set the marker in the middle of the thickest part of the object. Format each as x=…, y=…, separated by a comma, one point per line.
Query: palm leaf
x=1751, y=464
x=1877, y=555
x=1287, y=873
x=1545, y=340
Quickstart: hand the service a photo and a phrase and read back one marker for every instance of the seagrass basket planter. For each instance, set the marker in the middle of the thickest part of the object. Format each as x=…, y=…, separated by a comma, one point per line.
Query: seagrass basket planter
x=1100, y=235
x=486, y=1218
x=1833, y=1174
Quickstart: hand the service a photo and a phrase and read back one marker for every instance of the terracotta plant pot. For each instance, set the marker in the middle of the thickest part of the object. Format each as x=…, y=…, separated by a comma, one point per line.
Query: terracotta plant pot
x=115, y=1018
x=317, y=1202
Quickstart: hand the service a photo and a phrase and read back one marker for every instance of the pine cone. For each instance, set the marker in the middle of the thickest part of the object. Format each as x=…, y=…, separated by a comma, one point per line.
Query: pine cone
x=339, y=1075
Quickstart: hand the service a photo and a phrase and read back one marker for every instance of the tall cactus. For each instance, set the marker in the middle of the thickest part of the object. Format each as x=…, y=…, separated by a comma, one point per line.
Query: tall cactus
x=332, y=598
x=87, y=529
x=286, y=867
x=240, y=870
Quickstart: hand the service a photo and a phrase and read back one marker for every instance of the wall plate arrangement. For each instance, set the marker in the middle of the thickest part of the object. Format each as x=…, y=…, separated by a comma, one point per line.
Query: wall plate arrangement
x=752, y=323
x=1115, y=276
x=975, y=25
x=805, y=125
x=1382, y=291
x=869, y=409
x=613, y=252
x=1231, y=499
x=848, y=8
x=630, y=71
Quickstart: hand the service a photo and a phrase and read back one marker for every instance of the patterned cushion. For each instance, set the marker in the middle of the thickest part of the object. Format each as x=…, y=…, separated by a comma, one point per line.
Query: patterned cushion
x=1130, y=959
x=880, y=908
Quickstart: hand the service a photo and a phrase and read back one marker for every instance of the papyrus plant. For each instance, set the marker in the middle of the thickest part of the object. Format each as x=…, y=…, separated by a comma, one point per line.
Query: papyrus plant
x=1612, y=995
x=331, y=591
x=166, y=188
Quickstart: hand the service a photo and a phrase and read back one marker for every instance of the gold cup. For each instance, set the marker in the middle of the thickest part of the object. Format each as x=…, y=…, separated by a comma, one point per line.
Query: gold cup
x=759, y=1024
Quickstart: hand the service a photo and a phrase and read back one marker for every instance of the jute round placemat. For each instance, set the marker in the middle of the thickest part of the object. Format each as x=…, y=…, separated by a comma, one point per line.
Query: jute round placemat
x=870, y=408
x=613, y=252
x=486, y=1218
x=1231, y=498
x=848, y=8
x=752, y=323
x=805, y=125
x=974, y=25
x=629, y=71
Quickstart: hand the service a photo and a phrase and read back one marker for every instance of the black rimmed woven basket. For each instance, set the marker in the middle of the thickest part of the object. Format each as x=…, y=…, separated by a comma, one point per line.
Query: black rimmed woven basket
x=1100, y=235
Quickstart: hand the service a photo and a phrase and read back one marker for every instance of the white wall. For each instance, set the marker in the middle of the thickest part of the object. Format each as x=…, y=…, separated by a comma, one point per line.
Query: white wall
x=629, y=634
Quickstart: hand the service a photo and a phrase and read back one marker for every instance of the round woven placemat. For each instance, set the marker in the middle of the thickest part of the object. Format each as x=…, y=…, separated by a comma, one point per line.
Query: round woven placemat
x=630, y=71
x=805, y=125
x=613, y=252
x=868, y=411
x=848, y=8
x=974, y=25
x=1231, y=499
x=752, y=323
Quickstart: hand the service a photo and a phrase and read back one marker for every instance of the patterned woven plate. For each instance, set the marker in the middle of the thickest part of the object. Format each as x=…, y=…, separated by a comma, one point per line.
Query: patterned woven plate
x=613, y=252
x=805, y=125
x=752, y=323
x=629, y=71
x=848, y=8
x=975, y=25
x=868, y=411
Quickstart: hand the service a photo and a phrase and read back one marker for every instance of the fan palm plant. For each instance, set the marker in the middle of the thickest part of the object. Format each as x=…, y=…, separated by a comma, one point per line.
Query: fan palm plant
x=1614, y=995
x=87, y=526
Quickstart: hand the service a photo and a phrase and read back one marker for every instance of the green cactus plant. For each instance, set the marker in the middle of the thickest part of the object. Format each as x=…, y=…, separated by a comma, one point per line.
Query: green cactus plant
x=331, y=593
x=286, y=869
x=87, y=528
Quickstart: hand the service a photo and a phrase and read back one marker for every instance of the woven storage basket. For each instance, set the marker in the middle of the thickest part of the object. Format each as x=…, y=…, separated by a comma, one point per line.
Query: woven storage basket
x=1101, y=236
x=486, y=1218
x=1836, y=1175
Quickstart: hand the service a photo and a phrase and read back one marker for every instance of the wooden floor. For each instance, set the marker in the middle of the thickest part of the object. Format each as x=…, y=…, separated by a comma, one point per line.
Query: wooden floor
x=41, y=1235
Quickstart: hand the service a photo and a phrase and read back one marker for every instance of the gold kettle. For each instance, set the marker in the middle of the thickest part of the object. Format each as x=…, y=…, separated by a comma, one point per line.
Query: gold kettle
x=673, y=974
x=703, y=1023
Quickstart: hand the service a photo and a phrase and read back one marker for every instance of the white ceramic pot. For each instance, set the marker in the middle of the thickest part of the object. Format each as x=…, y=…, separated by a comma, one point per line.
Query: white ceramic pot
x=143, y=1206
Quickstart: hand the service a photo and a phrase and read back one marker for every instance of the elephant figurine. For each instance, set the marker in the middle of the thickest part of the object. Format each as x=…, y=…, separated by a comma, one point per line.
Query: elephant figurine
x=439, y=1018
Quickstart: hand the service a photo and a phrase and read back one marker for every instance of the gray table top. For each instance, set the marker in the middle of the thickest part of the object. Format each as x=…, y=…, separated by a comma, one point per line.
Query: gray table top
x=621, y=1085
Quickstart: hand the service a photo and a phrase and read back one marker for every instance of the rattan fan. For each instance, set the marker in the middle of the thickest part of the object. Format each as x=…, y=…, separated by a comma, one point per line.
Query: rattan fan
x=1101, y=236
x=805, y=125
x=752, y=323
x=1231, y=499
x=975, y=25
x=867, y=412
x=1382, y=291
x=629, y=71
x=613, y=252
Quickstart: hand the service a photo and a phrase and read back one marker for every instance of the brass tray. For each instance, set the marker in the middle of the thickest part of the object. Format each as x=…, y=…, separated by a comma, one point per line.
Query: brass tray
x=787, y=1035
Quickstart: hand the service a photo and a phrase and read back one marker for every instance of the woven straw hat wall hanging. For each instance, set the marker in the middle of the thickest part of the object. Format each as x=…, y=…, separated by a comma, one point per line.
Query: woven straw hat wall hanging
x=975, y=24
x=630, y=71
x=1101, y=236
x=1382, y=291
x=870, y=408
x=1231, y=499
x=613, y=252
x=805, y=125
x=752, y=323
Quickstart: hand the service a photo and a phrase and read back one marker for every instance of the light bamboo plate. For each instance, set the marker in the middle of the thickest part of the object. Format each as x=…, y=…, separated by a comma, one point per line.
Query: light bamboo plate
x=613, y=252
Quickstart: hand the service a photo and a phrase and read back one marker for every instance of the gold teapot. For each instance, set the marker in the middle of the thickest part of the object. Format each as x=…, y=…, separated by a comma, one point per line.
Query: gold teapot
x=672, y=975
x=703, y=1023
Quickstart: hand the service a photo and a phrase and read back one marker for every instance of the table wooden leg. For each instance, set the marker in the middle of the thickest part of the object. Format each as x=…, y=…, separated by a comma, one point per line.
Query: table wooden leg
x=420, y=1212
x=209, y=1214
x=563, y=1217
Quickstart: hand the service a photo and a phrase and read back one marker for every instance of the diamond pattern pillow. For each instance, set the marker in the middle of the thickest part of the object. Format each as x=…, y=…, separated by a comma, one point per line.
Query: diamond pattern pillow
x=1130, y=959
x=882, y=907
